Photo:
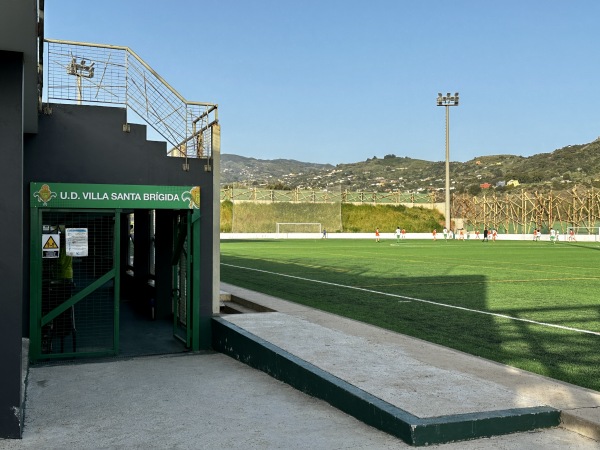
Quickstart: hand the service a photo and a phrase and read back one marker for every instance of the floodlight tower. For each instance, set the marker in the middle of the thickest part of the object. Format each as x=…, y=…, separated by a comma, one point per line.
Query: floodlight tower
x=447, y=101
x=80, y=70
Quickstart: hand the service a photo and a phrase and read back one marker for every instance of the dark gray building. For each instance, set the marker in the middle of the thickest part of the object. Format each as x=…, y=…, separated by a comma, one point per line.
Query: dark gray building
x=104, y=230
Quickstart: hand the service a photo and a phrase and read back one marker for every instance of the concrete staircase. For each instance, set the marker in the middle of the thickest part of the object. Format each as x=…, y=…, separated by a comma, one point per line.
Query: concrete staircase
x=231, y=304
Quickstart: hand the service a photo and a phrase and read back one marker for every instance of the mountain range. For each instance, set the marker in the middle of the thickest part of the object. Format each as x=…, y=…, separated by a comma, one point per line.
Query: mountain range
x=558, y=170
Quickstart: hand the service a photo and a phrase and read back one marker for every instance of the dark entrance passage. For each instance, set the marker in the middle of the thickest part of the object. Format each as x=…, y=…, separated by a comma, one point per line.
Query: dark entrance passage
x=149, y=304
x=141, y=336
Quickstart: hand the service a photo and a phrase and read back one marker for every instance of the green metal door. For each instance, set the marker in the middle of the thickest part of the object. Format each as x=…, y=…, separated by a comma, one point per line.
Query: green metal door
x=182, y=280
x=74, y=283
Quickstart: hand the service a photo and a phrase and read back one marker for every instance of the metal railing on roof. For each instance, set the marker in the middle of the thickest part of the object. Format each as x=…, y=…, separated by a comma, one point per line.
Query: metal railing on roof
x=86, y=73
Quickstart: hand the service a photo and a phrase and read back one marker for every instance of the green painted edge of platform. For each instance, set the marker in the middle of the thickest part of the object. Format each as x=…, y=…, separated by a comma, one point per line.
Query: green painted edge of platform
x=260, y=354
x=460, y=427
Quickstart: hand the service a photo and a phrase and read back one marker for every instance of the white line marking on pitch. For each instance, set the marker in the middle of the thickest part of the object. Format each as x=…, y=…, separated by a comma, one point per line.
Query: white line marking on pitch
x=504, y=316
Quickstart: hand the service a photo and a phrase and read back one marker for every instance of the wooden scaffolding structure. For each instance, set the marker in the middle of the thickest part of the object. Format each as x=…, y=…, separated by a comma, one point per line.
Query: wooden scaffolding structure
x=525, y=211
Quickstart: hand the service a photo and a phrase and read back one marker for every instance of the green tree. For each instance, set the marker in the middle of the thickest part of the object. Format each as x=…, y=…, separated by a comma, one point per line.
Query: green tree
x=474, y=189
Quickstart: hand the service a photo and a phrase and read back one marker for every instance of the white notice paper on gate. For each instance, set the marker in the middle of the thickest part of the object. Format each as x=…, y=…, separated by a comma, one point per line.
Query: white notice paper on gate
x=76, y=241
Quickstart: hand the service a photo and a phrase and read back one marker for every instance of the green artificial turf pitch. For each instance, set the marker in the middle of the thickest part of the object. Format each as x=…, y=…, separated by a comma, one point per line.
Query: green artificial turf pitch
x=532, y=305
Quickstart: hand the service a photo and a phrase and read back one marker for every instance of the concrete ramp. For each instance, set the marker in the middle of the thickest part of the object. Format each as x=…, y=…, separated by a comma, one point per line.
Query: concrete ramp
x=379, y=383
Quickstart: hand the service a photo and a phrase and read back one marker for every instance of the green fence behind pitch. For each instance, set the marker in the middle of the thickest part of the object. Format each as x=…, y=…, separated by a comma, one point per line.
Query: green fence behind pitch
x=330, y=195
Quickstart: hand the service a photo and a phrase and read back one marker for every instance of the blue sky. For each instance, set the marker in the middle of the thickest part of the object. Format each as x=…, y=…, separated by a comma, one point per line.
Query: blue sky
x=338, y=81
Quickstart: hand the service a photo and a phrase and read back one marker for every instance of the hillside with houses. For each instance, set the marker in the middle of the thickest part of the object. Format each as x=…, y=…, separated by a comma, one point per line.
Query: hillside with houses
x=557, y=170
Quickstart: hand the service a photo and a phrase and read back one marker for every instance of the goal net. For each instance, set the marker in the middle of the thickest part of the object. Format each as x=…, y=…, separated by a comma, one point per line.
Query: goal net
x=298, y=227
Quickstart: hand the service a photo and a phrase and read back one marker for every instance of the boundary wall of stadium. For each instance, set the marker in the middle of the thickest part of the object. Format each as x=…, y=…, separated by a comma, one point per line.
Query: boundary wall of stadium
x=515, y=211
x=392, y=236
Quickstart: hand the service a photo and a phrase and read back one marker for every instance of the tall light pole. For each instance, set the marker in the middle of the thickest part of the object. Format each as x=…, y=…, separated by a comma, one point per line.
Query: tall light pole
x=447, y=101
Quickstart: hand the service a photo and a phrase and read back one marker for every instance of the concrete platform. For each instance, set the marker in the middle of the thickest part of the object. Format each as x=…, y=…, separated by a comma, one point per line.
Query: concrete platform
x=449, y=394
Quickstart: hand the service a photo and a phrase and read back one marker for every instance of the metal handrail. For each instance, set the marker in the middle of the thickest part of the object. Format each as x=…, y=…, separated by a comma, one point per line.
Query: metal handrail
x=88, y=73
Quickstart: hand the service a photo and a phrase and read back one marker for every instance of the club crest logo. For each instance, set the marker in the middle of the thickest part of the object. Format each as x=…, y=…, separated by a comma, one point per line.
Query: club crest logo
x=44, y=195
x=193, y=197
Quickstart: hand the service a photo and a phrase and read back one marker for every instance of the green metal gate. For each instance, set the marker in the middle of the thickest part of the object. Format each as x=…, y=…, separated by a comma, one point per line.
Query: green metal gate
x=74, y=299
x=182, y=282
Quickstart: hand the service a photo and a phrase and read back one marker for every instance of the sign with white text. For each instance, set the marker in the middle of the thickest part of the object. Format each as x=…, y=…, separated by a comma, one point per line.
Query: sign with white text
x=72, y=195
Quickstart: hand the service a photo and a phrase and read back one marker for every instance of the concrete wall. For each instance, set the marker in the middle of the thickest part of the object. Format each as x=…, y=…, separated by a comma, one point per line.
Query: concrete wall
x=18, y=115
x=11, y=259
x=19, y=33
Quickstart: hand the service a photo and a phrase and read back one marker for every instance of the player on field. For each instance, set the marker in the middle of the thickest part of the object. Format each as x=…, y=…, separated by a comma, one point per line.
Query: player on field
x=398, y=234
x=376, y=234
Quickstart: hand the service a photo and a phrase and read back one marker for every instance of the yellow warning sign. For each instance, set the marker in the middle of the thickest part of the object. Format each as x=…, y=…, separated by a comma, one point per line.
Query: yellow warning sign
x=50, y=244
